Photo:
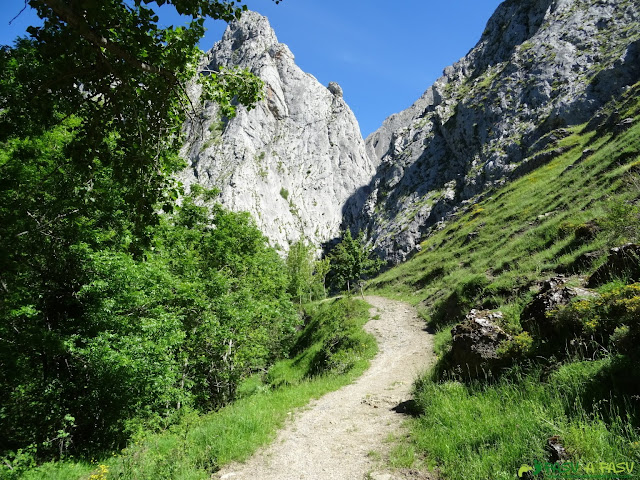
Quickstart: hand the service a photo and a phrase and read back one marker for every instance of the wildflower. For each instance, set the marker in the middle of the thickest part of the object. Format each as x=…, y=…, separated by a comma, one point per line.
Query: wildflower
x=101, y=474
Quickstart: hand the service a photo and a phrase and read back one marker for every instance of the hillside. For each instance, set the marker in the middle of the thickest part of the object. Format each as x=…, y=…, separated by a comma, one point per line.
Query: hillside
x=538, y=225
x=566, y=376
x=540, y=65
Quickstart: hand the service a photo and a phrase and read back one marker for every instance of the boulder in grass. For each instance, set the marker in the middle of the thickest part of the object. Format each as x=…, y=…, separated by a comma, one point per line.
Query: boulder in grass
x=475, y=342
x=537, y=316
x=556, y=450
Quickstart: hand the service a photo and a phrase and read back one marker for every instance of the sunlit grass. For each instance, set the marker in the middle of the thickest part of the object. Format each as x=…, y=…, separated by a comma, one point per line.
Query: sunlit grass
x=482, y=430
x=493, y=255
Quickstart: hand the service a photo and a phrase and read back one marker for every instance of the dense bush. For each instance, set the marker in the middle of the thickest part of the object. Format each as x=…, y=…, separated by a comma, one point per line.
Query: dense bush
x=609, y=321
x=331, y=343
x=342, y=342
x=307, y=276
x=105, y=330
x=115, y=316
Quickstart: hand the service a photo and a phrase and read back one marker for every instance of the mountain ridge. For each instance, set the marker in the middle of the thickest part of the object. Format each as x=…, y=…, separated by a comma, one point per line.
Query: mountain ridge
x=540, y=65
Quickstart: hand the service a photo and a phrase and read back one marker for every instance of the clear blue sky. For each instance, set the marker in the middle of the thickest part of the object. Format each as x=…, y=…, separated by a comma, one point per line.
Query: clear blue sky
x=384, y=54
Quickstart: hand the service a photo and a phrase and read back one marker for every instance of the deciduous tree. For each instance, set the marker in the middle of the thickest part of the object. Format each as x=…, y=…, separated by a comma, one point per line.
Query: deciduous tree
x=351, y=261
x=300, y=266
x=111, y=311
x=110, y=64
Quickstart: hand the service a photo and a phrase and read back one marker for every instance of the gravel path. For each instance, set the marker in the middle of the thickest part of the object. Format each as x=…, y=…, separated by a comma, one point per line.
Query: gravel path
x=332, y=438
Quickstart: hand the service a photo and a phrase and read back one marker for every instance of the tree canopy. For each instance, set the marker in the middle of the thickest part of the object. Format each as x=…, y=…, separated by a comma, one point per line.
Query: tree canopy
x=351, y=261
x=112, y=66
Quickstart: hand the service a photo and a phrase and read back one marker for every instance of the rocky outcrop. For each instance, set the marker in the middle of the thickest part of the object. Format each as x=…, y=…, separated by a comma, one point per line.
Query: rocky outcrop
x=538, y=316
x=475, y=342
x=539, y=66
x=294, y=160
x=557, y=452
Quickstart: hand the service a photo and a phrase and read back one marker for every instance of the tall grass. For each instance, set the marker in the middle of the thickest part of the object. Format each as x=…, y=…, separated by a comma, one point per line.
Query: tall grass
x=488, y=430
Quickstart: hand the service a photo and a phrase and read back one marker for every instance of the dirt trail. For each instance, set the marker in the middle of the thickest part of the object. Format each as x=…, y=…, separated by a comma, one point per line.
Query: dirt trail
x=332, y=438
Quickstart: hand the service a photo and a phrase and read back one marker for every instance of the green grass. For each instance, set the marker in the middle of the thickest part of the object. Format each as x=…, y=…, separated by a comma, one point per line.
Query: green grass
x=331, y=352
x=533, y=228
x=61, y=471
x=482, y=431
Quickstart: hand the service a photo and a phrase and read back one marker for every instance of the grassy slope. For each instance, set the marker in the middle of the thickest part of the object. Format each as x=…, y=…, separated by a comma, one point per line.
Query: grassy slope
x=490, y=256
x=200, y=444
x=524, y=231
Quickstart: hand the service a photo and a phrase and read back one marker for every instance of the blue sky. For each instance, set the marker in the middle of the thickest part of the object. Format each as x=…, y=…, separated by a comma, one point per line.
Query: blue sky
x=384, y=54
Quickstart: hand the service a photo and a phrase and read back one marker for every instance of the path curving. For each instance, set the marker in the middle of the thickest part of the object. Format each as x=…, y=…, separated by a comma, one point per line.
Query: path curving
x=333, y=437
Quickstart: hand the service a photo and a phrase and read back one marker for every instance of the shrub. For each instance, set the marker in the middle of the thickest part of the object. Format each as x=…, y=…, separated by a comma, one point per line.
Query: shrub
x=341, y=340
x=518, y=346
x=118, y=343
x=610, y=320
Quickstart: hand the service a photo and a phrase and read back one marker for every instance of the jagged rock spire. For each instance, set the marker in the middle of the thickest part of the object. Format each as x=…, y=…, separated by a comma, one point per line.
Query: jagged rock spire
x=293, y=161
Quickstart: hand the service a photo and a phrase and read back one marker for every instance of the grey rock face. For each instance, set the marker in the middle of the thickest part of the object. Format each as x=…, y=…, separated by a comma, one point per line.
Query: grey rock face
x=294, y=160
x=539, y=66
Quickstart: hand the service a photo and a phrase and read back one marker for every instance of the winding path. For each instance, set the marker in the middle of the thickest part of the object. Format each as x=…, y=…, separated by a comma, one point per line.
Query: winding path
x=333, y=437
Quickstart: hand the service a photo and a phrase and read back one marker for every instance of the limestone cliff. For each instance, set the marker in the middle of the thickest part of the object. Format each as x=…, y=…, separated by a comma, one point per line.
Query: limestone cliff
x=540, y=65
x=294, y=160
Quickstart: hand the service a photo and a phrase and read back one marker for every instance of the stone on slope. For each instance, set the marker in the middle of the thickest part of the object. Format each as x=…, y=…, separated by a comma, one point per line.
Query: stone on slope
x=622, y=262
x=475, y=342
x=537, y=316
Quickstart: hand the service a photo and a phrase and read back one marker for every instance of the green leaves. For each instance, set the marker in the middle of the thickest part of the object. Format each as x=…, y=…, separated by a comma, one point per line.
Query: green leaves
x=229, y=86
x=112, y=337
x=115, y=314
x=351, y=261
x=300, y=269
x=239, y=317
x=110, y=64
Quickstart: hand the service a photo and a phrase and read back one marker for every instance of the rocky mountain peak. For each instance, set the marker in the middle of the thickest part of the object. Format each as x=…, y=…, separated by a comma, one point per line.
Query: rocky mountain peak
x=246, y=40
x=249, y=31
x=294, y=160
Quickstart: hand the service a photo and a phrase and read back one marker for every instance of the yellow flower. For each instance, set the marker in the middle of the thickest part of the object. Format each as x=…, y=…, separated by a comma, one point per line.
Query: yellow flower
x=592, y=324
x=101, y=474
